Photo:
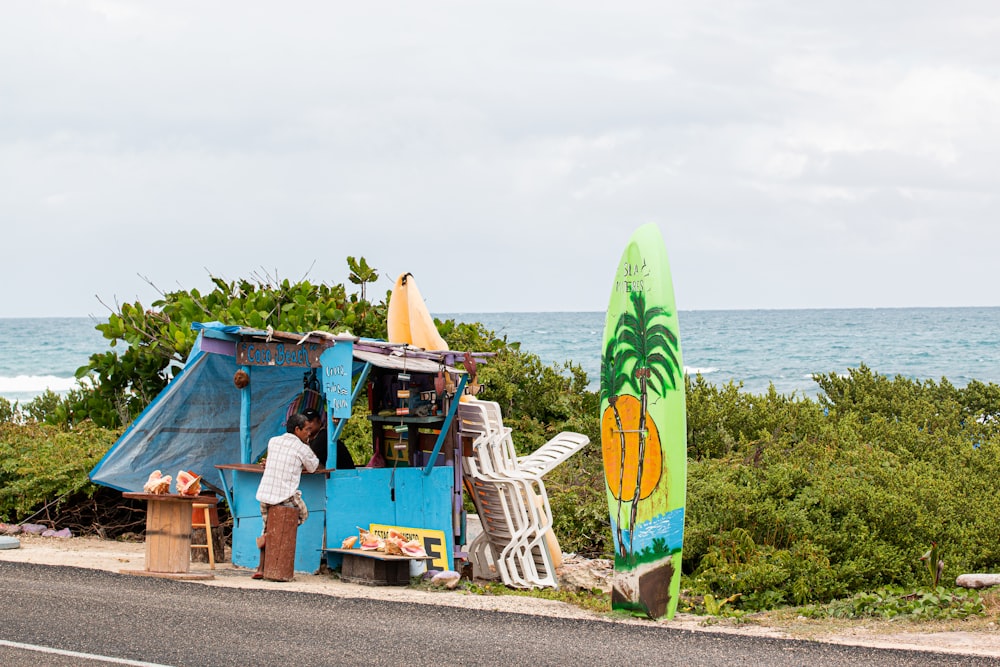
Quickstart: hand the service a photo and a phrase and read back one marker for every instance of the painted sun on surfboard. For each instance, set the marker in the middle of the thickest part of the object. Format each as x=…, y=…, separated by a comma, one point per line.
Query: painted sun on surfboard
x=643, y=429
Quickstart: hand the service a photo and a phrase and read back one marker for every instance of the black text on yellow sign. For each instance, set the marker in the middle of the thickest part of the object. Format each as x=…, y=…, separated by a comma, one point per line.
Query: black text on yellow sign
x=432, y=541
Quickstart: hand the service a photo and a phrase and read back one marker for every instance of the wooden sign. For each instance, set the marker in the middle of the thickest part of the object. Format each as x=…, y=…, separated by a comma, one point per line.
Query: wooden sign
x=336, y=365
x=253, y=353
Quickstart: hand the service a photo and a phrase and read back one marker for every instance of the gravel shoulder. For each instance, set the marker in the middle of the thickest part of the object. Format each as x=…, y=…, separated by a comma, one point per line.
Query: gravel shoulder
x=977, y=637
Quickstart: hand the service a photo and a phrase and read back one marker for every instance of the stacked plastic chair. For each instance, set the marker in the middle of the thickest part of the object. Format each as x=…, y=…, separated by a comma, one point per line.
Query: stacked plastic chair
x=510, y=498
x=541, y=461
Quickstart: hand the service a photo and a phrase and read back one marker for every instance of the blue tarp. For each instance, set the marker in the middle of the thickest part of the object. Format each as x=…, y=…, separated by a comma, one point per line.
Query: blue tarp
x=194, y=424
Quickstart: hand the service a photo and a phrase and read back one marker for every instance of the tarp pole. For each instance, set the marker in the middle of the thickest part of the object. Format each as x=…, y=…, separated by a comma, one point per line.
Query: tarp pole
x=245, y=420
x=226, y=491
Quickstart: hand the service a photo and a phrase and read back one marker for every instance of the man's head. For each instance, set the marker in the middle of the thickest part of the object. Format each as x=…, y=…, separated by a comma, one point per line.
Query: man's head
x=299, y=425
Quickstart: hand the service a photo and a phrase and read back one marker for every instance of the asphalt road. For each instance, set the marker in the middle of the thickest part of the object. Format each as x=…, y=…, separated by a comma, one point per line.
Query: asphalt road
x=153, y=621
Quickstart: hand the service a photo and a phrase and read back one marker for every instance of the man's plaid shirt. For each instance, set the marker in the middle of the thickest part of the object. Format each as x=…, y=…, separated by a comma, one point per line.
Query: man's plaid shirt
x=286, y=457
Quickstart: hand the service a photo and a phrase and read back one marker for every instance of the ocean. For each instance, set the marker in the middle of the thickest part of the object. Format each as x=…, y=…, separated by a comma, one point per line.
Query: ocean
x=755, y=347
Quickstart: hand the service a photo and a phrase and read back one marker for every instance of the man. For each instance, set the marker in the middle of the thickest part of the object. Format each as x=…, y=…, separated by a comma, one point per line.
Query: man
x=287, y=456
x=319, y=445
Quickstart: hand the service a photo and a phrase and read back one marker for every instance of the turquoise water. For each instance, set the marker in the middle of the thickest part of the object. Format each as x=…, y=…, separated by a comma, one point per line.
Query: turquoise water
x=755, y=347
x=40, y=353
x=786, y=347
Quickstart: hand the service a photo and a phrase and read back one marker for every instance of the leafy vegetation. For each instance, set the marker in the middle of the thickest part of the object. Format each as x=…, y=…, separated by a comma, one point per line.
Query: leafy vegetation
x=792, y=500
x=894, y=602
x=150, y=345
x=45, y=467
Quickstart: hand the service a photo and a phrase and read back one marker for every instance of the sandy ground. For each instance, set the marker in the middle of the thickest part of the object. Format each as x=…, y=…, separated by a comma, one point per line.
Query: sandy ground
x=981, y=639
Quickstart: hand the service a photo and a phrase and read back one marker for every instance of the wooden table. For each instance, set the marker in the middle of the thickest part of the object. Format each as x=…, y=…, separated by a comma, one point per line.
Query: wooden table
x=168, y=535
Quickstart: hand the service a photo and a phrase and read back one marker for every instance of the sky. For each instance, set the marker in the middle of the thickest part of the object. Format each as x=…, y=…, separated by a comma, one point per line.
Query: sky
x=794, y=154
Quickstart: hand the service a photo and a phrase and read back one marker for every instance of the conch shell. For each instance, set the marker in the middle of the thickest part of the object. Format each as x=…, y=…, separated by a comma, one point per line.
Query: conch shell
x=413, y=548
x=393, y=547
x=157, y=483
x=370, y=541
x=349, y=542
x=188, y=483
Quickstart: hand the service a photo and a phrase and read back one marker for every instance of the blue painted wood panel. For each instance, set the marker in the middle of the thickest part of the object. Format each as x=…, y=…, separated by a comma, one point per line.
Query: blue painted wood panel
x=365, y=496
x=247, y=522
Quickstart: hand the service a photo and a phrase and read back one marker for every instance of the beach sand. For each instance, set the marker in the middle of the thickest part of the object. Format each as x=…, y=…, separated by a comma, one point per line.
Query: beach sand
x=981, y=638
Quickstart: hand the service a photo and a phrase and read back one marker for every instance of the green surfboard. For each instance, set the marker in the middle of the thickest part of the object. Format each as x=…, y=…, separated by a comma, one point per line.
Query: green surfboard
x=643, y=429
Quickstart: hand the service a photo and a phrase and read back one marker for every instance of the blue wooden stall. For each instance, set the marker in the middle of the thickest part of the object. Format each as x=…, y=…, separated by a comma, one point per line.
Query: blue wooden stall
x=235, y=392
x=413, y=481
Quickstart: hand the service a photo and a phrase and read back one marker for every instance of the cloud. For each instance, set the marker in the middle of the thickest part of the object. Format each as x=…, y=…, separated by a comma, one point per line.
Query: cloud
x=794, y=155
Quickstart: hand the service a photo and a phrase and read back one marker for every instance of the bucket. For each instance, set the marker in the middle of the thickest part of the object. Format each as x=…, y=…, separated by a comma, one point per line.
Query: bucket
x=417, y=567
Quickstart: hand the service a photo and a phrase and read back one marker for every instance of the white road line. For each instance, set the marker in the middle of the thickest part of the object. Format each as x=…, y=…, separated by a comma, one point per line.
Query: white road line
x=74, y=654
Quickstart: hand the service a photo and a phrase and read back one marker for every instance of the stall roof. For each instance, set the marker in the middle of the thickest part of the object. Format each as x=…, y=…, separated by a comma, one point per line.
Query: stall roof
x=391, y=356
x=401, y=361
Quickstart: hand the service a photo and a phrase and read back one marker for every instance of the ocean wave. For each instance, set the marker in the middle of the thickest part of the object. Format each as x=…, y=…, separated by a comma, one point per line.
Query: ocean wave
x=694, y=370
x=26, y=384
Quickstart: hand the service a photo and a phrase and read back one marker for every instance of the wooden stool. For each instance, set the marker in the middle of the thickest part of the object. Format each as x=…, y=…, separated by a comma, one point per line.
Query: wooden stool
x=207, y=525
x=279, y=543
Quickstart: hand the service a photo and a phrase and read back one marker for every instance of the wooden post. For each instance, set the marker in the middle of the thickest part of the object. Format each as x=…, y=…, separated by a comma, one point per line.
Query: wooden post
x=245, y=443
x=279, y=549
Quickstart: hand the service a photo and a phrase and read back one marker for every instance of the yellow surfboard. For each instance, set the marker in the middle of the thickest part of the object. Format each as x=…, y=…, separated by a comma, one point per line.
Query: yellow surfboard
x=398, y=316
x=408, y=319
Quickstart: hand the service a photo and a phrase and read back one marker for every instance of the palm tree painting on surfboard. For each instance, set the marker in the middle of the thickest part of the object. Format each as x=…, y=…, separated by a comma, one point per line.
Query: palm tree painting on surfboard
x=643, y=429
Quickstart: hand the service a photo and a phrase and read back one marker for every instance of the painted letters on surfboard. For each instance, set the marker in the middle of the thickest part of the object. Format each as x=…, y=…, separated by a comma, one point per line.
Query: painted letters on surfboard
x=643, y=429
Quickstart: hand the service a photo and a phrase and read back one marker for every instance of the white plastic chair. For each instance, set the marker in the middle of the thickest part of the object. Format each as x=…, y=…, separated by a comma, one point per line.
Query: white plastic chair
x=517, y=541
x=541, y=461
x=506, y=523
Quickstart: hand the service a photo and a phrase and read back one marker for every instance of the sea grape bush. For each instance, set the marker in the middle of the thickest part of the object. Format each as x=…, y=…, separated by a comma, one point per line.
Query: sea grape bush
x=151, y=344
x=799, y=500
x=45, y=466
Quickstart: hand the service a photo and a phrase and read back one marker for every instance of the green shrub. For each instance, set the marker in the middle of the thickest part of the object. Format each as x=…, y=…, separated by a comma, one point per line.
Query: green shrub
x=43, y=465
x=804, y=501
x=937, y=604
x=157, y=340
x=9, y=412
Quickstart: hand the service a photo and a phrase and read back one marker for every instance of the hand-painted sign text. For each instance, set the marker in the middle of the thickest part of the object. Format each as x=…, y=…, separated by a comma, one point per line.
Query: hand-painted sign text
x=633, y=277
x=336, y=378
x=278, y=354
x=432, y=541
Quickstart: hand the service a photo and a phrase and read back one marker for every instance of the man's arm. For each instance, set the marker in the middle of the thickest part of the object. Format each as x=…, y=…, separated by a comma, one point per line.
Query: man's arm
x=310, y=461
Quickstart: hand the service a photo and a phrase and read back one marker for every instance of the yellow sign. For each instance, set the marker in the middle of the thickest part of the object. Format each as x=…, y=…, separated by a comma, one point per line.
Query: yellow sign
x=432, y=540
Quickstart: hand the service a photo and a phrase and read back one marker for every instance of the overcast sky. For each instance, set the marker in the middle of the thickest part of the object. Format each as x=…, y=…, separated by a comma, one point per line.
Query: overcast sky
x=794, y=154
